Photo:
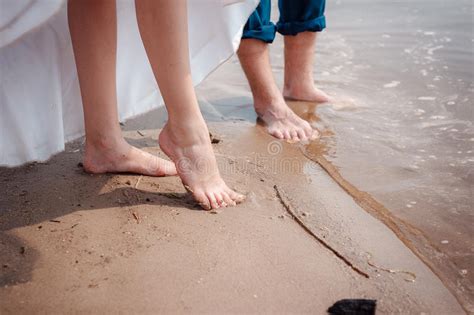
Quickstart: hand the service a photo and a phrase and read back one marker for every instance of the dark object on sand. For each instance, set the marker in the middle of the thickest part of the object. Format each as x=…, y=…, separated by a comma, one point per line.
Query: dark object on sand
x=353, y=307
x=136, y=216
x=214, y=139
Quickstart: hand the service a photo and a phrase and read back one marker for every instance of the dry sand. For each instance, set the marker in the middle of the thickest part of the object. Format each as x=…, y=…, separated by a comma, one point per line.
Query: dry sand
x=76, y=243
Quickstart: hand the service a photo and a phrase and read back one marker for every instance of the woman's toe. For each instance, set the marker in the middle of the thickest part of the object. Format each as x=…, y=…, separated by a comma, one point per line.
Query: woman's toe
x=202, y=199
x=236, y=197
x=227, y=199
x=239, y=198
x=220, y=199
x=212, y=200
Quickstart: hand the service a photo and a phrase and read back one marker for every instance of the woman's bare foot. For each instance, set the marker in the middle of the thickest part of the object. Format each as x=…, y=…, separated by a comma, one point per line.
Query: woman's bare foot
x=304, y=90
x=189, y=146
x=120, y=157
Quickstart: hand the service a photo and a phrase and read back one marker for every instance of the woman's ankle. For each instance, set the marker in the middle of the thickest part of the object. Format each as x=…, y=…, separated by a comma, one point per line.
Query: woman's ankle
x=104, y=142
x=188, y=131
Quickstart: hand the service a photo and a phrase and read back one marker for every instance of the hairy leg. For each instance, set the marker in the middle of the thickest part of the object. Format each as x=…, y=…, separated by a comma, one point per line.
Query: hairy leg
x=280, y=120
x=185, y=138
x=93, y=28
x=299, y=60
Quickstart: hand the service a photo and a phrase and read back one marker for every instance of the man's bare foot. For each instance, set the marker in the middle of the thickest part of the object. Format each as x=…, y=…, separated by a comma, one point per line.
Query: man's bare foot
x=189, y=146
x=299, y=60
x=120, y=157
x=282, y=123
x=280, y=120
x=305, y=91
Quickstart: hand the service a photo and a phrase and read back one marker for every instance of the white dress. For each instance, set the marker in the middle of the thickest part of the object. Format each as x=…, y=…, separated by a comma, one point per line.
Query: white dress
x=40, y=103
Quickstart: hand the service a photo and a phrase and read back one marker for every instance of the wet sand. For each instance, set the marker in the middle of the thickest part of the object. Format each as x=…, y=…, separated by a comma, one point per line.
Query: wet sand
x=400, y=131
x=78, y=243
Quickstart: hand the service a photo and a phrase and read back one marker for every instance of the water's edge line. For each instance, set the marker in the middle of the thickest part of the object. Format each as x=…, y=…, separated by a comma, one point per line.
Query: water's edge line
x=380, y=212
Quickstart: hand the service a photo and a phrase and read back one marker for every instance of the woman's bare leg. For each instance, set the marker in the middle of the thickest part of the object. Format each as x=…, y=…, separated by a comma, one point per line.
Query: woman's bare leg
x=280, y=120
x=299, y=60
x=93, y=27
x=185, y=138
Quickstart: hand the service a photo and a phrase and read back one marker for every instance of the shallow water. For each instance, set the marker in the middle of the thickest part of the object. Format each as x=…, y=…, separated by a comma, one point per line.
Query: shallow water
x=409, y=141
x=401, y=127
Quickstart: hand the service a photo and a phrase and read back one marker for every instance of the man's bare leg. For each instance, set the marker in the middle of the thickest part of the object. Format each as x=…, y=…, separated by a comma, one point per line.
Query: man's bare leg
x=299, y=60
x=280, y=120
x=185, y=138
x=93, y=27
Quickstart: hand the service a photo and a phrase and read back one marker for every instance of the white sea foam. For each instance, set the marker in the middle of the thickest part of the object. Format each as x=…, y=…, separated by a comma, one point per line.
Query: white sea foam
x=336, y=69
x=433, y=49
x=426, y=98
x=392, y=84
x=419, y=111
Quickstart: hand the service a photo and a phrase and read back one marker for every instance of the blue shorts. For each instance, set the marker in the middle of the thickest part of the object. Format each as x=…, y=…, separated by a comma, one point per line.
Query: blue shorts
x=296, y=16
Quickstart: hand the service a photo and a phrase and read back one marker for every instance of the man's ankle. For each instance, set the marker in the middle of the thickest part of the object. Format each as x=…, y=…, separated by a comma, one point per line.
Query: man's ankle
x=296, y=80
